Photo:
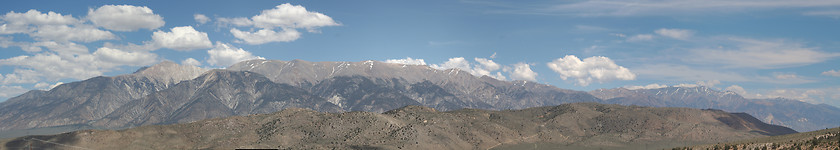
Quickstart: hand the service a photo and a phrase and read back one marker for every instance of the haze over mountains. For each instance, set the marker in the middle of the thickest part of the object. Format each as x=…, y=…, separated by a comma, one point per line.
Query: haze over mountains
x=589, y=125
x=795, y=114
x=169, y=93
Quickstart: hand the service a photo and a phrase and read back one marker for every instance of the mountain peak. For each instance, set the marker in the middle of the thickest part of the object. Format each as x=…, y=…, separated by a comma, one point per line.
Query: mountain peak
x=170, y=71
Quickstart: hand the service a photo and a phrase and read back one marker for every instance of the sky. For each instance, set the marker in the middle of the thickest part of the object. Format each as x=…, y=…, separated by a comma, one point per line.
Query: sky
x=757, y=48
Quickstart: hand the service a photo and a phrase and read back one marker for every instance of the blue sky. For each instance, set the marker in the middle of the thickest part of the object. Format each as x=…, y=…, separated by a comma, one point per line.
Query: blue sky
x=758, y=48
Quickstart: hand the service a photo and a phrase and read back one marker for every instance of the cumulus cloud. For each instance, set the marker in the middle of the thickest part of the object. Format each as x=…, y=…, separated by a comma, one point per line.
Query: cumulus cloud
x=455, y=62
x=49, y=66
x=680, y=34
x=710, y=83
x=265, y=36
x=737, y=89
x=686, y=85
x=125, y=17
x=751, y=53
x=294, y=16
x=226, y=55
x=80, y=33
x=649, y=86
x=19, y=22
x=485, y=67
x=191, y=62
x=51, y=26
x=118, y=57
x=407, y=61
x=201, y=18
x=11, y=91
x=833, y=73
x=522, y=71
x=597, y=68
x=182, y=38
x=488, y=64
x=20, y=76
x=286, y=17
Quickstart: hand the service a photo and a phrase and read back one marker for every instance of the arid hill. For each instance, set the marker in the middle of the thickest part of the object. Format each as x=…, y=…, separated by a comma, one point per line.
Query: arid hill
x=828, y=139
x=588, y=125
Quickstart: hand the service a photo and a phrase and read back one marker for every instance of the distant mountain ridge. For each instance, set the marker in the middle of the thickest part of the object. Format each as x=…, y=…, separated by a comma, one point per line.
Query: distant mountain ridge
x=170, y=93
x=575, y=125
x=84, y=101
x=798, y=115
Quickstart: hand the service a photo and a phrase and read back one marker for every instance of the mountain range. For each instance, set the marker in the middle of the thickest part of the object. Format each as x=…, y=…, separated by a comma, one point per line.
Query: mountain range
x=168, y=93
x=795, y=114
x=575, y=125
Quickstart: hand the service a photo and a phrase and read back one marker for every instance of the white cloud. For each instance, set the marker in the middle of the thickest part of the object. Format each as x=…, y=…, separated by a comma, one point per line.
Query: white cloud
x=488, y=64
x=294, y=16
x=640, y=37
x=710, y=83
x=19, y=22
x=680, y=34
x=226, y=55
x=201, y=18
x=737, y=89
x=596, y=68
x=20, y=76
x=238, y=21
x=522, y=71
x=11, y=91
x=62, y=48
x=51, y=26
x=118, y=57
x=265, y=35
x=191, y=62
x=485, y=67
x=80, y=33
x=455, y=62
x=407, y=61
x=46, y=86
x=182, y=38
x=37, y=18
x=286, y=17
x=649, y=86
x=686, y=85
x=760, y=55
x=833, y=73
x=48, y=66
x=125, y=17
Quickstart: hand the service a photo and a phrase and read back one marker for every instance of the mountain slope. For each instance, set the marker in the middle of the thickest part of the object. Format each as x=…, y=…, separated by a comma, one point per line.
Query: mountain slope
x=468, y=91
x=798, y=115
x=217, y=93
x=820, y=139
x=589, y=125
x=84, y=101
